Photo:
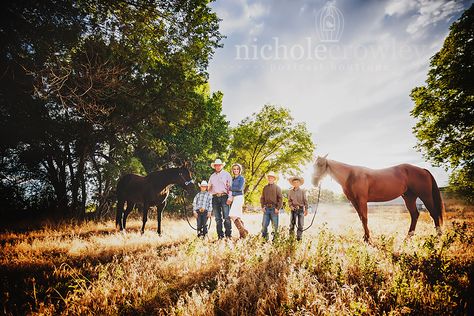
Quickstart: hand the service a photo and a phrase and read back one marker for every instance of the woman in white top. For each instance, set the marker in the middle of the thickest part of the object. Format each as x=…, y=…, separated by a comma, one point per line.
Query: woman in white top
x=236, y=197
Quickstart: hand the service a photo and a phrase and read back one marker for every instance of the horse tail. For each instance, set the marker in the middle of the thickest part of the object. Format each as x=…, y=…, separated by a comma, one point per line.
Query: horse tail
x=438, y=201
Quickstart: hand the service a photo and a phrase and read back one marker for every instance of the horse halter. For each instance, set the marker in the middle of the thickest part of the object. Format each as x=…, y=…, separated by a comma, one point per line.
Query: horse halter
x=186, y=183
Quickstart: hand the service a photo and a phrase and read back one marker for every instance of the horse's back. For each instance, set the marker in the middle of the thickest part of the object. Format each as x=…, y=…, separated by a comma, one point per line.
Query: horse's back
x=130, y=186
x=389, y=183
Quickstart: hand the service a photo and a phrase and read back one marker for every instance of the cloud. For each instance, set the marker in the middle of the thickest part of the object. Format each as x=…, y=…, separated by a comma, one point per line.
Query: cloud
x=240, y=16
x=432, y=12
x=423, y=13
x=400, y=7
x=354, y=99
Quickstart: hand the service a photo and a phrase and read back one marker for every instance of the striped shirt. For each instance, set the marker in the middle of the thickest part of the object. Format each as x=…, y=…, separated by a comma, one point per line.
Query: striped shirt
x=202, y=200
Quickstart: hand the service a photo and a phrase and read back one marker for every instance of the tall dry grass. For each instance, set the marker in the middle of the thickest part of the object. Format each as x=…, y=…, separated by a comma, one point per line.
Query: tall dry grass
x=90, y=269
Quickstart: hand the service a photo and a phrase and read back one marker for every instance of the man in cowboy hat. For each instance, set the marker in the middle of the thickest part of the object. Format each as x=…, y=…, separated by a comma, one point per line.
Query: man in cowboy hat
x=298, y=205
x=271, y=202
x=219, y=186
x=202, y=208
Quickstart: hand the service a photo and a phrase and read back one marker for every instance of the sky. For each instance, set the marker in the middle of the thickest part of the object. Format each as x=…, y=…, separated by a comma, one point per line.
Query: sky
x=345, y=68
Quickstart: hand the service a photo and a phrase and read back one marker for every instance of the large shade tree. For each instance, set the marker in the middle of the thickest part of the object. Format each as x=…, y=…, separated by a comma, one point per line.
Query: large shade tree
x=269, y=140
x=93, y=89
x=444, y=107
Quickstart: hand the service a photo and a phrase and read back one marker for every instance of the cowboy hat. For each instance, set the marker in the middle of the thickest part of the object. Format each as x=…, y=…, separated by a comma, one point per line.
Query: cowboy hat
x=238, y=165
x=217, y=162
x=296, y=178
x=272, y=174
x=203, y=183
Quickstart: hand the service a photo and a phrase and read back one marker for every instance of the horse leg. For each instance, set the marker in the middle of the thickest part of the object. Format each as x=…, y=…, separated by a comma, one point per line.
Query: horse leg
x=361, y=208
x=125, y=214
x=144, y=216
x=159, y=211
x=119, y=214
x=430, y=206
x=410, y=202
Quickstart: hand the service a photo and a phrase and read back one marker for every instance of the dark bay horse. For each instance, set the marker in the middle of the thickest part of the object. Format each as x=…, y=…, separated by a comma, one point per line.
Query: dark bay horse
x=151, y=190
x=362, y=185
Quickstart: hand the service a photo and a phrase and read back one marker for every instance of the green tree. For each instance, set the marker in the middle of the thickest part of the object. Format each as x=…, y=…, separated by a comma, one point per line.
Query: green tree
x=266, y=141
x=444, y=107
x=93, y=89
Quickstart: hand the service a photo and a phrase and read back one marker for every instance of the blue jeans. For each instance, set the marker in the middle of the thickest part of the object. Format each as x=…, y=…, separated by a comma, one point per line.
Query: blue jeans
x=221, y=212
x=202, y=223
x=269, y=216
x=297, y=218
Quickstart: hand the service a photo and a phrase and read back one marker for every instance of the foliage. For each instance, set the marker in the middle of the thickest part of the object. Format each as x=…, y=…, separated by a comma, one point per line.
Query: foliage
x=444, y=108
x=266, y=141
x=93, y=89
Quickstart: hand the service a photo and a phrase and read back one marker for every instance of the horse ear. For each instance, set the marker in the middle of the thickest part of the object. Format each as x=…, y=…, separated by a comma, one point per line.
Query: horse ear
x=187, y=164
x=325, y=156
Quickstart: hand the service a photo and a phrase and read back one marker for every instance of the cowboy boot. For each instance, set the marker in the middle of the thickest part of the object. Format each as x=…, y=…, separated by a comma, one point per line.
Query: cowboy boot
x=240, y=226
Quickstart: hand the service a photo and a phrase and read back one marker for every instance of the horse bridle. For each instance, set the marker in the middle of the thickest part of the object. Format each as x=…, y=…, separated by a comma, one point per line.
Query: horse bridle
x=186, y=183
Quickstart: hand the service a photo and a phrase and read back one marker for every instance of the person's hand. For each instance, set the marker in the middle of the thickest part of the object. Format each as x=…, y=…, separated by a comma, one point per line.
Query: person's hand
x=195, y=214
x=209, y=214
x=305, y=212
x=277, y=211
x=263, y=210
x=229, y=201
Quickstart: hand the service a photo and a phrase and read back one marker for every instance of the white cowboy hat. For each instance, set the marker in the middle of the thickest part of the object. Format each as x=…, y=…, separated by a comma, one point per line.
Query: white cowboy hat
x=203, y=183
x=272, y=174
x=238, y=165
x=217, y=162
x=296, y=178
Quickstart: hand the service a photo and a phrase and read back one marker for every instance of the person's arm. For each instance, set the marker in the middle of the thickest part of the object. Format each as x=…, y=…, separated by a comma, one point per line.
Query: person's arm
x=305, y=202
x=305, y=199
x=279, y=198
x=209, y=185
x=209, y=205
x=195, y=202
x=290, y=198
x=228, y=183
x=262, y=199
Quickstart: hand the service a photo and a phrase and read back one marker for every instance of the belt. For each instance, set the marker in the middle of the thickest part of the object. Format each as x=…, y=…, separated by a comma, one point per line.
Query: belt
x=296, y=208
x=220, y=194
x=270, y=205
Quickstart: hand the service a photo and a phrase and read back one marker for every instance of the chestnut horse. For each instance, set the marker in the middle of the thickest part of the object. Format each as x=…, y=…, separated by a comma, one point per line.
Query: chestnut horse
x=362, y=185
x=151, y=190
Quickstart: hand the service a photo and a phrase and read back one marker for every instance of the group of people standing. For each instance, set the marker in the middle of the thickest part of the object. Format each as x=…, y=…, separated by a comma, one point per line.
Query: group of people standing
x=223, y=196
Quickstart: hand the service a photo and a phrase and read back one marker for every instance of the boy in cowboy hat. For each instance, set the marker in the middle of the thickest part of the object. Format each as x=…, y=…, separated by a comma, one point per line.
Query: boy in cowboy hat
x=271, y=202
x=202, y=207
x=298, y=205
x=219, y=187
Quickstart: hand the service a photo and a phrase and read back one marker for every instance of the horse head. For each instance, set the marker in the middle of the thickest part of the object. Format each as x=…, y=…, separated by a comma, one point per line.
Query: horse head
x=320, y=169
x=185, y=177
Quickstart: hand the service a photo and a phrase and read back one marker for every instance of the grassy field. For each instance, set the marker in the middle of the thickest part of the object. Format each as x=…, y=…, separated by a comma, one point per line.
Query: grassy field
x=90, y=269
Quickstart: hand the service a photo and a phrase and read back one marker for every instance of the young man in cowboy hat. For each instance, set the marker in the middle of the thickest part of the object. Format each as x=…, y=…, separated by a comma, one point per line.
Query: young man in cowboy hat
x=219, y=186
x=298, y=204
x=202, y=207
x=271, y=202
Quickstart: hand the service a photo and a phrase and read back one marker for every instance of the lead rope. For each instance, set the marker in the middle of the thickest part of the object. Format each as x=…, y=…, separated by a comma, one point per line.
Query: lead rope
x=316, y=210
